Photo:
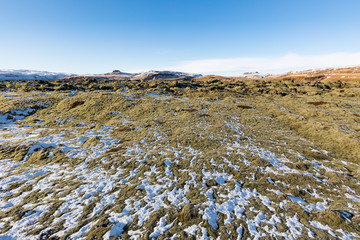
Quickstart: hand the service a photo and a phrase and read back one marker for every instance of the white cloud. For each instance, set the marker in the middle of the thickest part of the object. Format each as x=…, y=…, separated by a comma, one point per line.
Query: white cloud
x=267, y=64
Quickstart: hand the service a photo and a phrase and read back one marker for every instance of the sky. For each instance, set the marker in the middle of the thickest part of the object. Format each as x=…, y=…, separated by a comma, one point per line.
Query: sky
x=226, y=37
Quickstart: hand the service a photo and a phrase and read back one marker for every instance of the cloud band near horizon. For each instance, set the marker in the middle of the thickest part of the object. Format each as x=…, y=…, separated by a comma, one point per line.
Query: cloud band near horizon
x=268, y=64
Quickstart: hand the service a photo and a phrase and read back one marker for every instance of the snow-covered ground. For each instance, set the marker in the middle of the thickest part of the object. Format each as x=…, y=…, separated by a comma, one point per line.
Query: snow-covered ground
x=154, y=188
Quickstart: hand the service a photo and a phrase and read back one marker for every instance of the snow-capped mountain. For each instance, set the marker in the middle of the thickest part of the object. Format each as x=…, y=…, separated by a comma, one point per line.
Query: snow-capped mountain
x=167, y=73
x=149, y=75
x=115, y=75
x=31, y=75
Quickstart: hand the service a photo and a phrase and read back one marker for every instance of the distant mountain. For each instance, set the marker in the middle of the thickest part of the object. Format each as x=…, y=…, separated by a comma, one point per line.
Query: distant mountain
x=335, y=73
x=31, y=75
x=149, y=75
x=114, y=75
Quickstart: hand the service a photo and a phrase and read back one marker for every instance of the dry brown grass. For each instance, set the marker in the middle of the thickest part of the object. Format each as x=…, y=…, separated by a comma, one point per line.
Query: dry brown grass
x=281, y=121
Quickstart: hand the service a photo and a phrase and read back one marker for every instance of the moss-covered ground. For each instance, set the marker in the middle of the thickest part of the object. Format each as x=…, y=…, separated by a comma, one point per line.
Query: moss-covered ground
x=184, y=159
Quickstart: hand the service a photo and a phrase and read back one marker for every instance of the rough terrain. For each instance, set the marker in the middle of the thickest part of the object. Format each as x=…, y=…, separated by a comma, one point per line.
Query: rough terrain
x=198, y=159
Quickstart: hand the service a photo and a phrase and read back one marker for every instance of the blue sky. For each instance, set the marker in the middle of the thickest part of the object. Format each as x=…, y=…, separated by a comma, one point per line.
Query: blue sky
x=212, y=36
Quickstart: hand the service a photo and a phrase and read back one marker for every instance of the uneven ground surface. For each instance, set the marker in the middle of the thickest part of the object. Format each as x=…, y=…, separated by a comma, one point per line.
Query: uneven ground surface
x=344, y=73
x=202, y=159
